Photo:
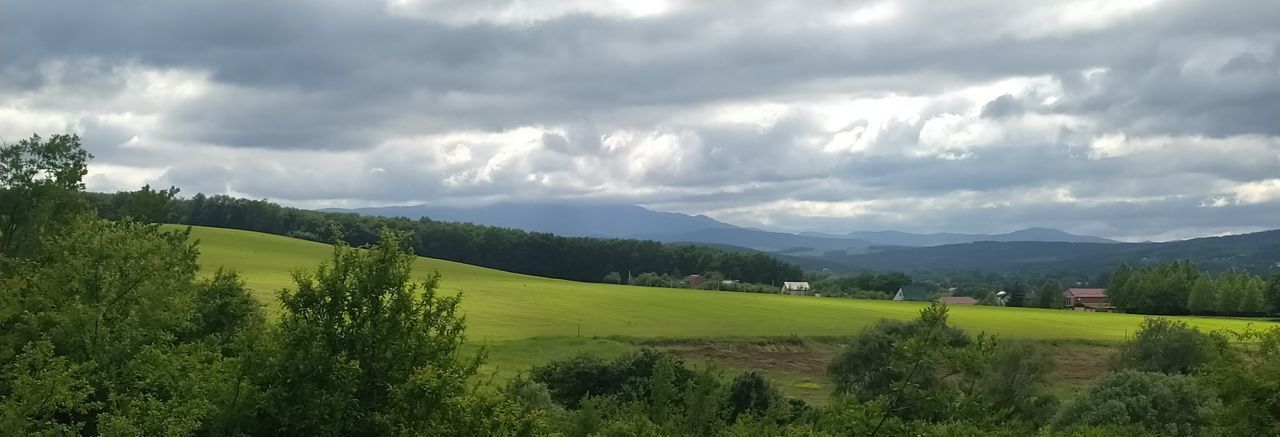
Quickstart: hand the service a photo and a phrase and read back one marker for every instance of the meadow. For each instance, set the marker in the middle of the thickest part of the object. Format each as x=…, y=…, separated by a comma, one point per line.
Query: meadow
x=502, y=306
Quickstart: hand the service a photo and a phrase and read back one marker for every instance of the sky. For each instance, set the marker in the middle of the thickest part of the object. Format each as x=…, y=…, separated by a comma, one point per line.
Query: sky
x=1136, y=120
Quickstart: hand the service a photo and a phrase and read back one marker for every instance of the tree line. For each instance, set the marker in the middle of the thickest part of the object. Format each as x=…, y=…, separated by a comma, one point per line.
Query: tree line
x=541, y=254
x=1180, y=288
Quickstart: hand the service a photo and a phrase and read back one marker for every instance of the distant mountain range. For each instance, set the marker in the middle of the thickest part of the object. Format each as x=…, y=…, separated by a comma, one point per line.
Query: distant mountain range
x=1026, y=251
x=898, y=238
x=629, y=221
x=1256, y=252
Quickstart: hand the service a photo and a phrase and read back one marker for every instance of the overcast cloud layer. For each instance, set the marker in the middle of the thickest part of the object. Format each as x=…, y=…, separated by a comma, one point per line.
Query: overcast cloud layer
x=1129, y=119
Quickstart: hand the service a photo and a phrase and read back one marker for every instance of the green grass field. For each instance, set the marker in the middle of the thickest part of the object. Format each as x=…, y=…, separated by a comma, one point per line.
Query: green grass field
x=523, y=321
x=504, y=306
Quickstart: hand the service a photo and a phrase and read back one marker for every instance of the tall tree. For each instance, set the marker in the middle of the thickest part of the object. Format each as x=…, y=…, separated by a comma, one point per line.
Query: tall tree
x=365, y=350
x=1273, y=291
x=1204, y=296
x=1253, y=299
x=40, y=184
x=1118, y=287
x=1231, y=291
x=1050, y=295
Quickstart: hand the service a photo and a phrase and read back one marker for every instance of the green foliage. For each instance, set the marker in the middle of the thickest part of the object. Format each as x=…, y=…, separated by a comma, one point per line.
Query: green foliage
x=705, y=408
x=1204, y=296
x=1273, y=291
x=115, y=303
x=1247, y=385
x=750, y=394
x=145, y=205
x=1050, y=295
x=1160, y=404
x=365, y=350
x=627, y=378
x=1180, y=288
x=892, y=353
x=1015, y=383
x=39, y=191
x=1170, y=346
x=39, y=388
x=862, y=285
x=575, y=258
x=612, y=278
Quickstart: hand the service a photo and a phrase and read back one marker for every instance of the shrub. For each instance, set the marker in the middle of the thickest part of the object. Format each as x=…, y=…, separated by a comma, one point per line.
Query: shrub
x=627, y=377
x=1164, y=405
x=1169, y=346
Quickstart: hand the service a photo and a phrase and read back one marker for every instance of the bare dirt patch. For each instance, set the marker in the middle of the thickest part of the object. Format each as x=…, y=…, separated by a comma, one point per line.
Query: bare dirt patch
x=797, y=358
x=1080, y=363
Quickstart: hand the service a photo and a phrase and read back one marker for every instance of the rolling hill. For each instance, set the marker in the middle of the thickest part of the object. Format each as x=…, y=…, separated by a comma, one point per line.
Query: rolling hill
x=506, y=306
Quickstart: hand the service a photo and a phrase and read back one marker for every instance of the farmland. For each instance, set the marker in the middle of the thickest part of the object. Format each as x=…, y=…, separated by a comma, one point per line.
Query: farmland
x=502, y=306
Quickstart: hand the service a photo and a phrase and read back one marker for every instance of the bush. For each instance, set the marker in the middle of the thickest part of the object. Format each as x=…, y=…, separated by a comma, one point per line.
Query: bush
x=750, y=394
x=1160, y=404
x=1169, y=346
x=626, y=378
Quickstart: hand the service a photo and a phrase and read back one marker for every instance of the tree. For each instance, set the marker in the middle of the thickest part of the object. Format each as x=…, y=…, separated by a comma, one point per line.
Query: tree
x=366, y=351
x=1050, y=296
x=1273, y=287
x=1231, y=291
x=1253, y=299
x=901, y=361
x=1204, y=296
x=1015, y=379
x=1246, y=384
x=612, y=278
x=40, y=184
x=1118, y=288
x=145, y=205
x=110, y=309
x=750, y=394
x=1017, y=294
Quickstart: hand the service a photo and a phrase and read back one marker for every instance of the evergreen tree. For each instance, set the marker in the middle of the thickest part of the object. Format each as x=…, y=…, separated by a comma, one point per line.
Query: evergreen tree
x=1204, y=296
x=1050, y=295
x=1118, y=291
x=1230, y=292
x=1017, y=295
x=1253, y=296
x=1273, y=291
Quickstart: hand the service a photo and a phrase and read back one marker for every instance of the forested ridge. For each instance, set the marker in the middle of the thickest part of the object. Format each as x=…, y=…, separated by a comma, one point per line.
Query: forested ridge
x=541, y=254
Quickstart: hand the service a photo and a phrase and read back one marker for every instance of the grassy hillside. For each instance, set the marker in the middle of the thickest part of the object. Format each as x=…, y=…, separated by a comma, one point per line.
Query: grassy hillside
x=506, y=306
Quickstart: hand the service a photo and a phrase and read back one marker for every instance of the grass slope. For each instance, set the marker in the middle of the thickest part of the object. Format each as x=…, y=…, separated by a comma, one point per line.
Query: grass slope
x=506, y=306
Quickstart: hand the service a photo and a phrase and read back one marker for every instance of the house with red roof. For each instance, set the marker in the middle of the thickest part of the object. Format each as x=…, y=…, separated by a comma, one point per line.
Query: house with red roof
x=958, y=300
x=1087, y=299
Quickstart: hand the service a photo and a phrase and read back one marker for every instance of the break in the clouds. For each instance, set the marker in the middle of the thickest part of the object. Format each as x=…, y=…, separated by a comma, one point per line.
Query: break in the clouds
x=1134, y=119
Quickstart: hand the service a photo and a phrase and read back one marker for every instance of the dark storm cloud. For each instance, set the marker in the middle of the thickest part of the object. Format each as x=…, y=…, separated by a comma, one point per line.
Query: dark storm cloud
x=1117, y=103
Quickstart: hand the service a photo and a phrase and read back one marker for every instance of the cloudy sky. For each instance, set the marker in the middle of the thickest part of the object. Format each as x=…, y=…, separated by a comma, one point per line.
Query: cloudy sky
x=1135, y=119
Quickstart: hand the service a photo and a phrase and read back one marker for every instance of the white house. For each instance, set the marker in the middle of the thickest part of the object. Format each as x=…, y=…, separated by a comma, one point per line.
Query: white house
x=795, y=288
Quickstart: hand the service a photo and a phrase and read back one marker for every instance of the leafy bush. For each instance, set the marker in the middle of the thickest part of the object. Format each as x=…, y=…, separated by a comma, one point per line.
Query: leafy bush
x=627, y=377
x=1164, y=405
x=1169, y=346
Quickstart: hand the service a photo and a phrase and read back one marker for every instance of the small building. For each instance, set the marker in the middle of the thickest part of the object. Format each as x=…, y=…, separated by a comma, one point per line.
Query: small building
x=694, y=281
x=1087, y=299
x=795, y=288
x=915, y=292
x=958, y=300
